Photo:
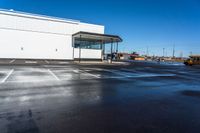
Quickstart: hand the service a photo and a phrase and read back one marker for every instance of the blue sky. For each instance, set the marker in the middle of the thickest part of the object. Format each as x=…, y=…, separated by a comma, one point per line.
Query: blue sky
x=155, y=24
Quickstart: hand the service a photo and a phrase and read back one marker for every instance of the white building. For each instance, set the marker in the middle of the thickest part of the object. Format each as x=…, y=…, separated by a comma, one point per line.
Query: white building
x=31, y=36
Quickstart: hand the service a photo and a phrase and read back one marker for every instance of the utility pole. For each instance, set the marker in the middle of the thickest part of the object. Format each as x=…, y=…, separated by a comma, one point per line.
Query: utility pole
x=147, y=53
x=163, y=52
x=173, y=56
x=181, y=54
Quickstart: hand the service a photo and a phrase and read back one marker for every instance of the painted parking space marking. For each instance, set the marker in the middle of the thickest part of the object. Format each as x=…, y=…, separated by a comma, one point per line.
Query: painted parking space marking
x=47, y=61
x=7, y=76
x=93, y=75
x=27, y=75
x=63, y=62
x=76, y=71
x=54, y=66
x=127, y=73
x=67, y=74
x=64, y=70
x=139, y=74
x=53, y=74
x=12, y=61
x=31, y=62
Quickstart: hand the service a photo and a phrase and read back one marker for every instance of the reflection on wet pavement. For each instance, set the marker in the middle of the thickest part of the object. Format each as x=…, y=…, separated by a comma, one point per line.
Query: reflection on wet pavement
x=94, y=99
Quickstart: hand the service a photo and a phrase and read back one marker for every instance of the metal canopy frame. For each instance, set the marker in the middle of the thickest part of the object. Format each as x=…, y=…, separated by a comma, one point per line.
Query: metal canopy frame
x=99, y=38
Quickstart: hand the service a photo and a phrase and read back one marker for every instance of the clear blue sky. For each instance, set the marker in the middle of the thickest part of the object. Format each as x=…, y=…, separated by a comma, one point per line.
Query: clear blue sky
x=156, y=24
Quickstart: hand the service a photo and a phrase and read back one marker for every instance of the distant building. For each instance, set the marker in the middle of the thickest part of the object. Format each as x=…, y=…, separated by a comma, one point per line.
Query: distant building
x=133, y=56
x=123, y=56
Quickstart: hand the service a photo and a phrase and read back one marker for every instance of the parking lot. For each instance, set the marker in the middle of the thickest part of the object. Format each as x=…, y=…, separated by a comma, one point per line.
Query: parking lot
x=58, y=96
x=46, y=73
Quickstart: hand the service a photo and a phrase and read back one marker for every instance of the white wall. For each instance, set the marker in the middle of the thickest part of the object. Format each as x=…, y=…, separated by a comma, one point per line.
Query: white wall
x=31, y=23
x=35, y=45
x=88, y=53
x=40, y=36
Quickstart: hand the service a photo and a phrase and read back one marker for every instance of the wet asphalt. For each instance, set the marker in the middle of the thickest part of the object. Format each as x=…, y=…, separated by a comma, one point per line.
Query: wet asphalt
x=70, y=98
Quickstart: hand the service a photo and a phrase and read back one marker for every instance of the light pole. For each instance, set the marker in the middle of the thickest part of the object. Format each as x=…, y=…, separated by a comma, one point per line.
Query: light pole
x=173, y=56
x=147, y=53
x=163, y=52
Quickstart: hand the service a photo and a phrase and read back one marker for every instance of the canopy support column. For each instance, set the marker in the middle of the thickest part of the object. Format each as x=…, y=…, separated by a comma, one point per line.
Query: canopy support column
x=102, y=52
x=111, y=52
x=117, y=48
x=117, y=51
x=80, y=50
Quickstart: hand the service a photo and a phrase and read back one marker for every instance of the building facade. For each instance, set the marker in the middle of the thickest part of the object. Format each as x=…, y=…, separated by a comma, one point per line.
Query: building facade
x=31, y=36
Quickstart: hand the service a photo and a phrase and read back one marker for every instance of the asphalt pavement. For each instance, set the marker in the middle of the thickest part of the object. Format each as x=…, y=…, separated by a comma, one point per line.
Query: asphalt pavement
x=63, y=97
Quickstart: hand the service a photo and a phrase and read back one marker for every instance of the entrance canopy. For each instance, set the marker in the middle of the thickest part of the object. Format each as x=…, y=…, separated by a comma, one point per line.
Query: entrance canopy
x=87, y=40
x=99, y=38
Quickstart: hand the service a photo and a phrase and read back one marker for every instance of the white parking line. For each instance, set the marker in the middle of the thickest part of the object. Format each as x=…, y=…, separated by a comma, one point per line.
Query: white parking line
x=96, y=76
x=53, y=74
x=7, y=76
x=47, y=61
x=64, y=70
x=76, y=71
x=119, y=73
x=63, y=62
x=11, y=61
x=31, y=62
x=53, y=66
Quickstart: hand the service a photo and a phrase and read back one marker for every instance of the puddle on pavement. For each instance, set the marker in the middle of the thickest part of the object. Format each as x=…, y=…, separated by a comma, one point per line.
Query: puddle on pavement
x=191, y=93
